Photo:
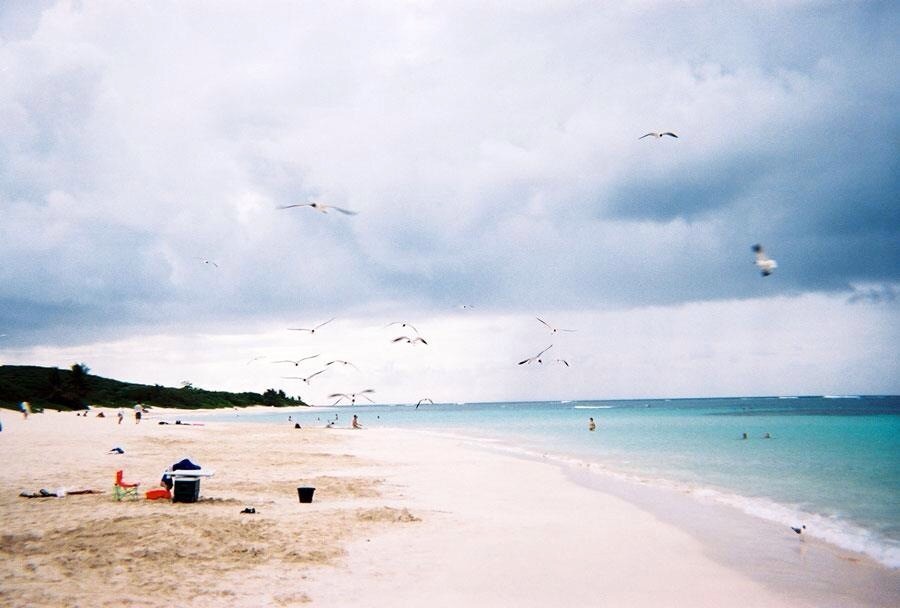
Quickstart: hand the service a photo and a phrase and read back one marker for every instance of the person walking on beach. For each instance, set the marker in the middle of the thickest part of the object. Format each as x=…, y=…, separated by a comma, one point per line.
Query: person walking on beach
x=137, y=413
x=356, y=423
x=120, y=415
x=591, y=425
x=26, y=409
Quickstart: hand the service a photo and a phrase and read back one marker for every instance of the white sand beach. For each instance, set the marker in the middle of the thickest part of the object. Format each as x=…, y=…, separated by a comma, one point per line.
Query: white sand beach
x=399, y=518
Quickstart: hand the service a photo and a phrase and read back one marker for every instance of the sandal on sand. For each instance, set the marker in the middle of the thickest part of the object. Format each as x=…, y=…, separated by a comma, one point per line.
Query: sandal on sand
x=42, y=493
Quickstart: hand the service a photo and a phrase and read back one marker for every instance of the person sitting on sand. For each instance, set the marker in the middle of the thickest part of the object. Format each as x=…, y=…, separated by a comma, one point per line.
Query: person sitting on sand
x=356, y=423
x=591, y=425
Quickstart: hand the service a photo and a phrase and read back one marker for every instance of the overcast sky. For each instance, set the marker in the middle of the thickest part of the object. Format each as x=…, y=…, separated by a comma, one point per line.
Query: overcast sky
x=493, y=156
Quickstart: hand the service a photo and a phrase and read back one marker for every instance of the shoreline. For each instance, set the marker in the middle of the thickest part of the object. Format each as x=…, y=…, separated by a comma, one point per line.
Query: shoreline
x=847, y=539
x=843, y=533
x=581, y=469
x=398, y=516
x=803, y=572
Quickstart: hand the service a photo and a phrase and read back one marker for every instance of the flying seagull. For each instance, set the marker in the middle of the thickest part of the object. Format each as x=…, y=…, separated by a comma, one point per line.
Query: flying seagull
x=255, y=359
x=312, y=330
x=296, y=362
x=307, y=379
x=410, y=340
x=537, y=357
x=553, y=330
x=402, y=324
x=421, y=401
x=563, y=361
x=352, y=396
x=206, y=261
x=658, y=135
x=765, y=264
x=322, y=207
x=342, y=362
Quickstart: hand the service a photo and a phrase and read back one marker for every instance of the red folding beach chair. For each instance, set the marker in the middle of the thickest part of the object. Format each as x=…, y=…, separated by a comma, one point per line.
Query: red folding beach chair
x=123, y=489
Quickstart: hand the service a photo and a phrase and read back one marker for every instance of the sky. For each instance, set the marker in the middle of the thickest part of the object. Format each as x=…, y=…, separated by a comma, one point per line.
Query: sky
x=492, y=154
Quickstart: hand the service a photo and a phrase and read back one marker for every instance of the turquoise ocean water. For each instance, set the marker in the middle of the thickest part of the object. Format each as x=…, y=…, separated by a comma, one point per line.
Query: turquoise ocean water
x=832, y=463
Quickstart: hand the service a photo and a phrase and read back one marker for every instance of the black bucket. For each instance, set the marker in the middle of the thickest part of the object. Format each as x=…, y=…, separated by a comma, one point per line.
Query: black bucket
x=305, y=494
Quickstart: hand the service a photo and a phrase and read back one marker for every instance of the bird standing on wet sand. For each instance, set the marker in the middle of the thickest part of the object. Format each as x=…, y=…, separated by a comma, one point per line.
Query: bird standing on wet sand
x=799, y=530
x=765, y=264
x=321, y=207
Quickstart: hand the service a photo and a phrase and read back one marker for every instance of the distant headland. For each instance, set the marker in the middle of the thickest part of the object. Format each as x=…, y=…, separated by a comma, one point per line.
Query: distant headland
x=76, y=389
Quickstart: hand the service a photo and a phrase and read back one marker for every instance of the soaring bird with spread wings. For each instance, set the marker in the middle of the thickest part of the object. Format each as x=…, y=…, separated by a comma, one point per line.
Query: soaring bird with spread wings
x=658, y=135
x=351, y=396
x=311, y=330
x=537, y=357
x=321, y=207
x=553, y=330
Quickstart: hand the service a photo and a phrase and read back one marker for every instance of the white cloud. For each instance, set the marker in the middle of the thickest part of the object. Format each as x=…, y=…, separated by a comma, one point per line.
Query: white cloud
x=777, y=346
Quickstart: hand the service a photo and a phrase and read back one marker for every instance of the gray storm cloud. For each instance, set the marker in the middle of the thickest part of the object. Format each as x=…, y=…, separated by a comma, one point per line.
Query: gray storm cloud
x=492, y=154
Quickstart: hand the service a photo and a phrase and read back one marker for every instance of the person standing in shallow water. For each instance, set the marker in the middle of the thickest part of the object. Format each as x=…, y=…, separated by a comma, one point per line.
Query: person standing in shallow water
x=591, y=425
x=356, y=423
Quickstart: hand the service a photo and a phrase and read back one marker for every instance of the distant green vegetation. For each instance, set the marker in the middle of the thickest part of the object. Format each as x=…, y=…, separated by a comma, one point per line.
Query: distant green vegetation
x=75, y=389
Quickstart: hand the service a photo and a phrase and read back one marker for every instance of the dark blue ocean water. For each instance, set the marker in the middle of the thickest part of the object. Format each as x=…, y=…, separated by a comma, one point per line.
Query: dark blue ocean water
x=833, y=462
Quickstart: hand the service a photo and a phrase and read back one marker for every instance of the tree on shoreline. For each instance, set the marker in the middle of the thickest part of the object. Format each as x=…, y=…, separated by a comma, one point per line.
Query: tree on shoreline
x=74, y=388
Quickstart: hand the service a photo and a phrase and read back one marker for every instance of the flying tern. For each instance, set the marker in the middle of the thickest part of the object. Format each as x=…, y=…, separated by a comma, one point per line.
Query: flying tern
x=537, y=357
x=313, y=329
x=322, y=207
